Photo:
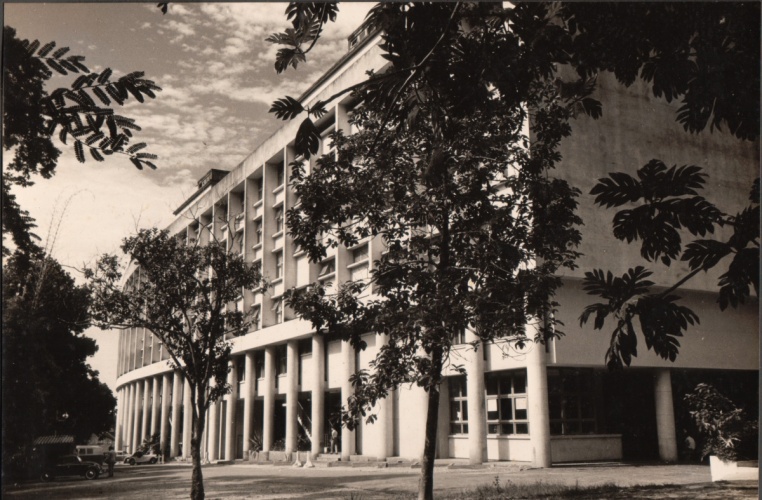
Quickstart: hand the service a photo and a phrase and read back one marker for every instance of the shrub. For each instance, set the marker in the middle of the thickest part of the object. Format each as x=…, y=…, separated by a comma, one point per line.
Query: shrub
x=727, y=431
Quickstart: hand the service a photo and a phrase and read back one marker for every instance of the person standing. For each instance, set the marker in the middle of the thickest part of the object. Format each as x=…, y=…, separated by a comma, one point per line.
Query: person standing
x=110, y=460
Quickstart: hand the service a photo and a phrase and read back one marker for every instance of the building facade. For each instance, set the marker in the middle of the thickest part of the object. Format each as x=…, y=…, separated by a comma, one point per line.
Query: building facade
x=540, y=404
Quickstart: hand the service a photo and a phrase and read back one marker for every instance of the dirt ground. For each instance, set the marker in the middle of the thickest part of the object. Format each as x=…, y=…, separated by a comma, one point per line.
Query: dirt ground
x=268, y=482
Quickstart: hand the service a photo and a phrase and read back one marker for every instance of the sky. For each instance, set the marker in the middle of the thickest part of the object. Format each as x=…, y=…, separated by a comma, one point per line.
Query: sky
x=218, y=81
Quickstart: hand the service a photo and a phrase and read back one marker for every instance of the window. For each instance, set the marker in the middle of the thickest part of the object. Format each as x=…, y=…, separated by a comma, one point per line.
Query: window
x=255, y=314
x=360, y=254
x=327, y=267
x=458, y=405
x=259, y=364
x=257, y=232
x=281, y=174
x=278, y=309
x=240, y=364
x=507, y=403
x=279, y=264
x=459, y=337
x=278, y=219
x=571, y=396
x=281, y=360
x=260, y=189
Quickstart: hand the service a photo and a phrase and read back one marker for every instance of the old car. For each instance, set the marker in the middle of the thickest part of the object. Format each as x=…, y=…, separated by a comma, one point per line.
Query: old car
x=140, y=457
x=71, y=465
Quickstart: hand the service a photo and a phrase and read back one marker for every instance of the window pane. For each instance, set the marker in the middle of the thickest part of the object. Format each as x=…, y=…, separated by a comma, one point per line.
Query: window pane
x=465, y=428
x=521, y=408
x=506, y=409
x=491, y=385
x=455, y=410
x=588, y=427
x=464, y=409
x=506, y=429
x=520, y=383
x=455, y=429
x=522, y=428
x=492, y=429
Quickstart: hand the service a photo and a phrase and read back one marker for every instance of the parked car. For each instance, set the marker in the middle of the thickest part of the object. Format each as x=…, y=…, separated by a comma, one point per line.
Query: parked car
x=141, y=458
x=71, y=465
x=92, y=453
x=121, y=455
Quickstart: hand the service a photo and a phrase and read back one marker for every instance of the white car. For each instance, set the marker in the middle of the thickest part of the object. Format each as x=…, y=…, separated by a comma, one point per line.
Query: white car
x=141, y=458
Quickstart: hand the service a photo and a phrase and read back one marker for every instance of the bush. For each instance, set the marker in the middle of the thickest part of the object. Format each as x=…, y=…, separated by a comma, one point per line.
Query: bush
x=726, y=430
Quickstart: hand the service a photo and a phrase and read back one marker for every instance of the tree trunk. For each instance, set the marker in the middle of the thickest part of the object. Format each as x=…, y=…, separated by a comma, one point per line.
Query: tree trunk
x=197, y=479
x=426, y=483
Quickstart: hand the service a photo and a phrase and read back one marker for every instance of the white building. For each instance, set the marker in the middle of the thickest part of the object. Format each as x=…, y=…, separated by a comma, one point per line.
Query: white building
x=539, y=405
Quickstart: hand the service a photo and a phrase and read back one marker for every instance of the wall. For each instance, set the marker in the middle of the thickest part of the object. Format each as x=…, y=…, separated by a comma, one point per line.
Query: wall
x=723, y=340
x=585, y=448
x=635, y=128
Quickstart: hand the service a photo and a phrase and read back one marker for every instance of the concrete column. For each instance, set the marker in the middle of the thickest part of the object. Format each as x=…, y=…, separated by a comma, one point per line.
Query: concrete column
x=248, y=402
x=665, y=415
x=537, y=401
x=269, y=399
x=348, y=368
x=174, y=437
x=214, y=432
x=155, y=398
x=476, y=404
x=318, y=395
x=232, y=400
x=136, y=416
x=383, y=425
x=164, y=426
x=146, y=408
x=119, y=417
x=128, y=417
x=187, y=420
x=292, y=395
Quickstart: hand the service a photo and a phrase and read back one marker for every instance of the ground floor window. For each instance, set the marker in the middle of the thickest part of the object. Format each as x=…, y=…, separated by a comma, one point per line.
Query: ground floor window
x=507, y=402
x=458, y=405
x=572, y=401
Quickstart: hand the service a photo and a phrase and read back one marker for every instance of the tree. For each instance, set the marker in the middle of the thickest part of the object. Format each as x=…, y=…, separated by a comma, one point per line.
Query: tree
x=185, y=295
x=82, y=113
x=446, y=61
x=466, y=222
x=48, y=387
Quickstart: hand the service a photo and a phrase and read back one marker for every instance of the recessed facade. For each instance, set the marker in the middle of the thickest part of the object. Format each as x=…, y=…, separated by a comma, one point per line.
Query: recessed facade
x=541, y=404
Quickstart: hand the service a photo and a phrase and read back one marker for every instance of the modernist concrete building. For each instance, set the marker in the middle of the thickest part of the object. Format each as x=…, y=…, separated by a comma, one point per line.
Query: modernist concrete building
x=541, y=405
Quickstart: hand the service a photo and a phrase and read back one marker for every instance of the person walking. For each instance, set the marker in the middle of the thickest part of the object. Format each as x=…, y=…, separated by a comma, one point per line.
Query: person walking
x=110, y=460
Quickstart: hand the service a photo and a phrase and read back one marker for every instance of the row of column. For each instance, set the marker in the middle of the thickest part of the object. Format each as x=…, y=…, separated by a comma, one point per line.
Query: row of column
x=147, y=407
x=144, y=407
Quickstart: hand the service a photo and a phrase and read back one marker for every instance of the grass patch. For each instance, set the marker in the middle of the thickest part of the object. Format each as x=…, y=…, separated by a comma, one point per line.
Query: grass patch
x=540, y=490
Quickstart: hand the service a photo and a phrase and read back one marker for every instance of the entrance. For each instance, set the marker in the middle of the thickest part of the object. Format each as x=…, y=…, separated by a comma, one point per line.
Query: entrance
x=630, y=410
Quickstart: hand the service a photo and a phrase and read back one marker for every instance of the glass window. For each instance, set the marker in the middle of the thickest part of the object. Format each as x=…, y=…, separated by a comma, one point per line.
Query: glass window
x=281, y=175
x=360, y=253
x=279, y=218
x=278, y=308
x=241, y=368
x=458, y=405
x=281, y=360
x=571, y=397
x=279, y=264
x=255, y=316
x=459, y=337
x=506, y=403
x=260, y=189
x=257, y=232
x=259, y=364
x=327, y=267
